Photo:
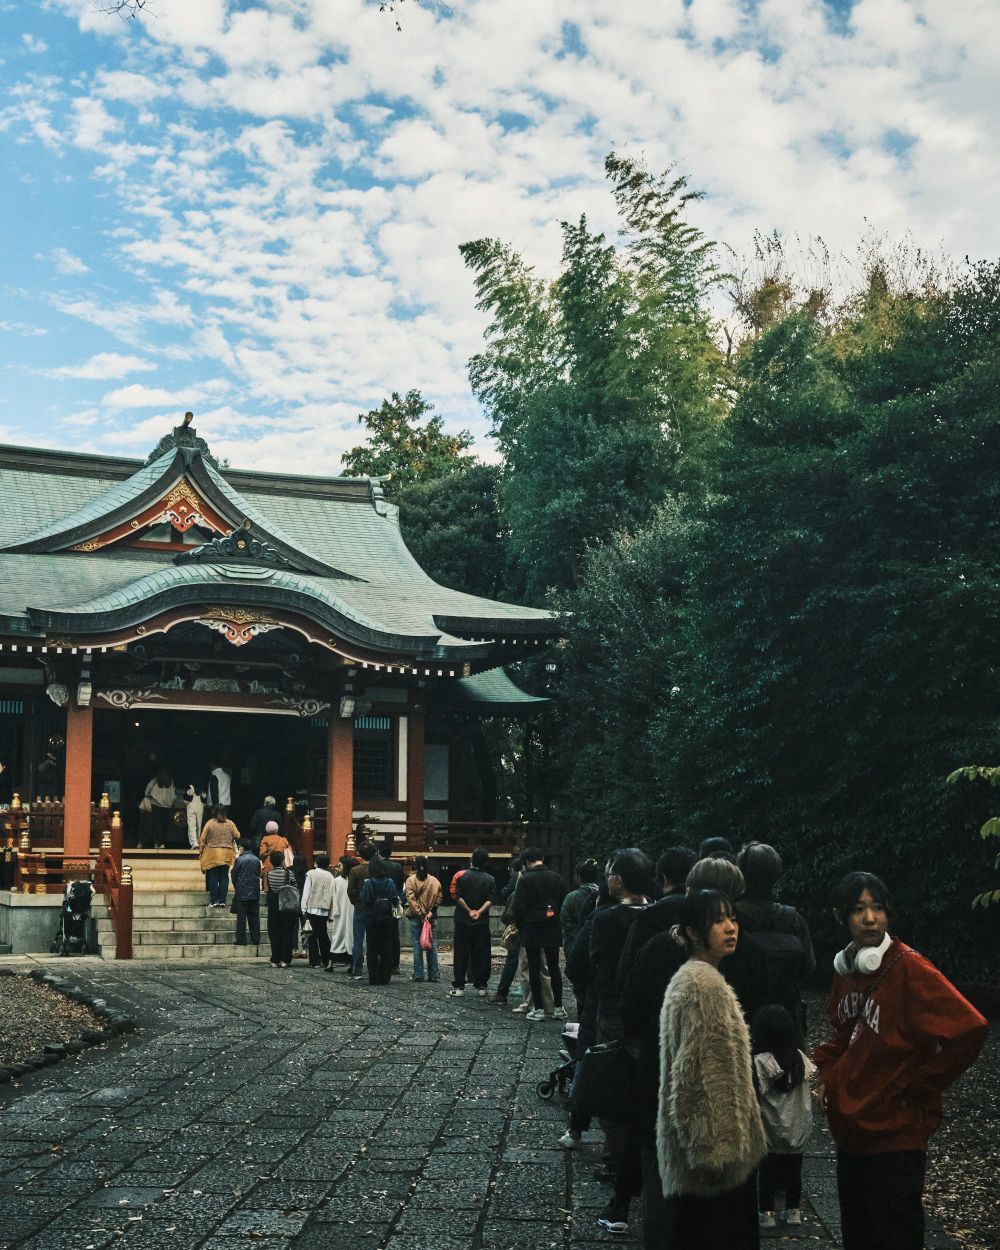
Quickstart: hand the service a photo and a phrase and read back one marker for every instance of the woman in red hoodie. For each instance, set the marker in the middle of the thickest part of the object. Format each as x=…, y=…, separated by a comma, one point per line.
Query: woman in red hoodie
x=902, y=1034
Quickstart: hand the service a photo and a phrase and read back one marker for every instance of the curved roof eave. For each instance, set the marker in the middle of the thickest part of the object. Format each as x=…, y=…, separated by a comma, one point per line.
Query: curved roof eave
x=204, y=585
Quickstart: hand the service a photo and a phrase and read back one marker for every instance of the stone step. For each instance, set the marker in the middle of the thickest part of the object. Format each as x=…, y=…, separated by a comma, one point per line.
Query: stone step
x=220, y=922
x=165, y=951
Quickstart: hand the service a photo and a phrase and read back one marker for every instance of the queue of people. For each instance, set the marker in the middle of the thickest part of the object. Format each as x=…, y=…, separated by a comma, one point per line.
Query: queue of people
x=695, y=969
x=703, y=988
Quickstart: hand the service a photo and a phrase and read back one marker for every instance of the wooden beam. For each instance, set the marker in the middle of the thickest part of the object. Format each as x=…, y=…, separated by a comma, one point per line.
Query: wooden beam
x=415, y=758
x=76, y=812
x=339, y=784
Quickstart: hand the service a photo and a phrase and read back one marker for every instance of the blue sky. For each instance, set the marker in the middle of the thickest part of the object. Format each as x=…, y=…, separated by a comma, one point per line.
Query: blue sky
x=253, y=210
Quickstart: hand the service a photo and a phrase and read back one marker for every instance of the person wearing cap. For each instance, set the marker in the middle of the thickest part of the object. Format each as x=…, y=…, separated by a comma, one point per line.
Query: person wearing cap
x=273, y=840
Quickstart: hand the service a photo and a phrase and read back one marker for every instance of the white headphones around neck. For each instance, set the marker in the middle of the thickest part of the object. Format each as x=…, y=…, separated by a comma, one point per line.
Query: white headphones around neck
x=867, y=960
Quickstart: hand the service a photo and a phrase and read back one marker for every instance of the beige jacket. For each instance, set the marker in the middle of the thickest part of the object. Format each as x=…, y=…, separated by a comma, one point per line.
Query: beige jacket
x=709, y=1132
x=218, y=845
x=421, y=896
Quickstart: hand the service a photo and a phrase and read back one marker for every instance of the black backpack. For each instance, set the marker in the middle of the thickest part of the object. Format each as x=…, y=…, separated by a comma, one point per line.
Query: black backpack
x=382, y=910
x=786, y=957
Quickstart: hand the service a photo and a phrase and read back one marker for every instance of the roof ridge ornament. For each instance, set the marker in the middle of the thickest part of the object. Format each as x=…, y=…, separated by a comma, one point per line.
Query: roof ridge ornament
x=183, y=438
x=238, y=544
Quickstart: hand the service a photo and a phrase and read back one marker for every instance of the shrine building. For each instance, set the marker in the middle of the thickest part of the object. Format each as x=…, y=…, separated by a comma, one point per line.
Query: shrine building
x=180, y=615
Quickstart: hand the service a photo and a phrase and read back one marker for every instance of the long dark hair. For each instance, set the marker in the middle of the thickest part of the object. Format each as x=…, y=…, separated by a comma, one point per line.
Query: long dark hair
x=420, y=867
x=774, y=1030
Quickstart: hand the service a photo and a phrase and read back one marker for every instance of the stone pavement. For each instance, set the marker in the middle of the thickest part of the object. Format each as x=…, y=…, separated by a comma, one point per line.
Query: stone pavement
x=271, y=1109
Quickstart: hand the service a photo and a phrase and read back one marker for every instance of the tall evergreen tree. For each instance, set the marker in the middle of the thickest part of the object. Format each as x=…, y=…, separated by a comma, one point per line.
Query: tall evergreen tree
x=838, y=649
x=602, y=384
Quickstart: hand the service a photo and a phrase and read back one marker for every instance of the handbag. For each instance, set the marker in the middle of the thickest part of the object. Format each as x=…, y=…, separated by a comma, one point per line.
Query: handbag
x=510, y=939
x=146, y=804
x=605, y=1083
x=426, y=934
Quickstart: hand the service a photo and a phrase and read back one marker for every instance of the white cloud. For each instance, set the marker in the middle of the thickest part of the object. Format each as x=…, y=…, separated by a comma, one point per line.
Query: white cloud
x=285, y=185
x=32, y=44
x=65, y=262
x=105, y=366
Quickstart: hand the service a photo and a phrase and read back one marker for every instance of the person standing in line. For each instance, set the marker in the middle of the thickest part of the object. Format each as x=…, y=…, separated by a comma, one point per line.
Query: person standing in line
x=778, y=929
x=423, y=897
x=394, y=870
x=358, y=876
x=158, y=810
x=282, y=924
x=474, y=897
x=274, y=840
x=588, y=873
x=630, y=882
x=218, y=851
x=342, y=914
x=783, y=1075
x=259, y=821
x=672, y=870
x=220, y=785
x=709, y=1132
x=512, y=963
x=378, y=900
x=535, y=909
x=642, y=997
x=245, y=874
x=901, y=1034
x=195, y=815
x=317, y=904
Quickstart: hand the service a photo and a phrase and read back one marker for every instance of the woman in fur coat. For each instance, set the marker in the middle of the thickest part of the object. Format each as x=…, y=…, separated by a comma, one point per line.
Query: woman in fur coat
x=709, y=1133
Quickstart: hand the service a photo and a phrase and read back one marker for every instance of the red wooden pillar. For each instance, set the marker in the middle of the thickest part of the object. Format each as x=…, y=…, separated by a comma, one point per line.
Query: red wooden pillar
x=339, y=783
x=415, y=761
x=76, y=812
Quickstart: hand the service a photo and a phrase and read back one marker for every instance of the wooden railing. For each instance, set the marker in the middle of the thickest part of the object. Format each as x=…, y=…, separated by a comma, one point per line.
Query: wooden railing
x=114, y=881
x=45, y=817
x=459, y=838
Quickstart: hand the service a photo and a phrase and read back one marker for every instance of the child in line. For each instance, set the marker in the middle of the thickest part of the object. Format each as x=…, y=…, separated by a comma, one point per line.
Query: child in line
x=783, y=1074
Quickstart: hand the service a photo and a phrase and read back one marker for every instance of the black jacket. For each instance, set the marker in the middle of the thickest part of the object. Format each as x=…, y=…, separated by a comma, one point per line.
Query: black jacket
x=607, y=940
x=475, y=888
x=246, y=877
x=535, y=906
x=258, y=822
x=648, y=924
x=394, y=871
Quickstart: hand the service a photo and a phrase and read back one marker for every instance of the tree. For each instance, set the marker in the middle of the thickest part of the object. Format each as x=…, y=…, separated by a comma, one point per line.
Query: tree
x=990, y=828
x=402, y=448
x=602, y=384
x=452, y=526
x=836, y=645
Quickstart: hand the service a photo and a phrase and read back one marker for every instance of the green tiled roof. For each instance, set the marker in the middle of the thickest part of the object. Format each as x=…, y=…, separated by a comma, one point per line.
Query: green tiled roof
x=356, y=576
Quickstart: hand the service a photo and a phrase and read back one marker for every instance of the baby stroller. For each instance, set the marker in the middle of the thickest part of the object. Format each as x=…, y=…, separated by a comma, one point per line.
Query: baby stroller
x=74, y=917
x=559, y=1078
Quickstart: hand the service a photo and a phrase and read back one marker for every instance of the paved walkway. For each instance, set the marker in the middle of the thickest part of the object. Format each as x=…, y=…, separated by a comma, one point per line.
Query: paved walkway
x=268, y=1109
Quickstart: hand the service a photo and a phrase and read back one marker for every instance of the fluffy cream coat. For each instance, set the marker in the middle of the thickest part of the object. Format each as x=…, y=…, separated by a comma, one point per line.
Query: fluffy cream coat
x=709, y=1132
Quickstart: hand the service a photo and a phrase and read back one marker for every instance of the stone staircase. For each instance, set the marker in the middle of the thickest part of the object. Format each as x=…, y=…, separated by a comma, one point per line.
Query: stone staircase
x=171, y=918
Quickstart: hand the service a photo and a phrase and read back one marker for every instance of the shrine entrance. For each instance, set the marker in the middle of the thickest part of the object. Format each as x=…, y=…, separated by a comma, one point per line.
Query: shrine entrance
x=265, y=753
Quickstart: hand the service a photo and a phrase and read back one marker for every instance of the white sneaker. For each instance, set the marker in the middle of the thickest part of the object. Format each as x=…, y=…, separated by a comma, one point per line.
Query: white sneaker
x=767, y=1219
x=537, y=1014
x=481, y=993
x=559, y=1013
x=520, y=1011
x=457, y=993
x=569, y=1142
x=793, y=1216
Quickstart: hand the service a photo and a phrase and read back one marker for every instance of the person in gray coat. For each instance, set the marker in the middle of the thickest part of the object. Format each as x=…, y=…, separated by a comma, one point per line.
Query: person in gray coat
x=246, y=886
